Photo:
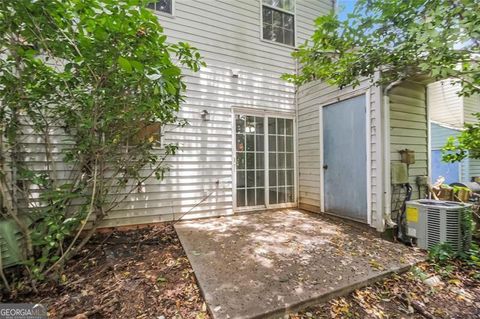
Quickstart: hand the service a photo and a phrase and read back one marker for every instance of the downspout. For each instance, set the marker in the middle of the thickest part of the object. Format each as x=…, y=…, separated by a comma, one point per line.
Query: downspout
x=297, y=170
x=386, y=153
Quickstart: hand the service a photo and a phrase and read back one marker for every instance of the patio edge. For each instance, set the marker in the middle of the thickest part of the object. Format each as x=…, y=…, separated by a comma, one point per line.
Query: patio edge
x=289, y=309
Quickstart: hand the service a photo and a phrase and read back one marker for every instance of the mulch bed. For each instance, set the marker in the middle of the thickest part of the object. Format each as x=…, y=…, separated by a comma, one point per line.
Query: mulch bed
x=141, y=273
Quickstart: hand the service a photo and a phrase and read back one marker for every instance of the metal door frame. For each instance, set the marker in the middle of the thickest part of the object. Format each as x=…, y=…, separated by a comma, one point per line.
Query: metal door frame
x=368, y=149
x=265, y=114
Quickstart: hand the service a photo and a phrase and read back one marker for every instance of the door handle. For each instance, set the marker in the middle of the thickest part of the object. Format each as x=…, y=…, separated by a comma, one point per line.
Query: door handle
x=325, y=166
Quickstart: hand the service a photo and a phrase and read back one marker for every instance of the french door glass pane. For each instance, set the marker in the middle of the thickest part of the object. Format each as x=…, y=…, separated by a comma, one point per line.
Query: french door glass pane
x=272, y=178
x=259, y=142
x=260, y=178
x=260, y=196
x=250, y=151
x=272, y=143
x=240, y=179
x=259, y=159
x=250, y=160
x=250, y=146
x=240, y=197
x=289, y=144
x=290, y=177
x=280, y=126
x=272, y=160
x=290, y=195
x=272, y=125
x=281, y=161
x=272, y=195
x=250, y=179
x=240, y=160
x=251, y=197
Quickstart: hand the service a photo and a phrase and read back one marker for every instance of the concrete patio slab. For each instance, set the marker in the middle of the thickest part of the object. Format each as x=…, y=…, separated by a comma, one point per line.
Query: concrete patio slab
x=265, y=265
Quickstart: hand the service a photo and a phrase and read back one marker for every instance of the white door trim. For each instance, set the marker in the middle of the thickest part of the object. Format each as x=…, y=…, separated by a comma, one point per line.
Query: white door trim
x=365, y=92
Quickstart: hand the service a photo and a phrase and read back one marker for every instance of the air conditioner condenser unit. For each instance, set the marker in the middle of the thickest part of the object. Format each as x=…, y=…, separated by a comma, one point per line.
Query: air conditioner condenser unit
x=434, y=221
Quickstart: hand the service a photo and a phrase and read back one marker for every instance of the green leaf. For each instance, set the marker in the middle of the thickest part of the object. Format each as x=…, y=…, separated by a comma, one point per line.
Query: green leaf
x=137, y=65
x=125, y=64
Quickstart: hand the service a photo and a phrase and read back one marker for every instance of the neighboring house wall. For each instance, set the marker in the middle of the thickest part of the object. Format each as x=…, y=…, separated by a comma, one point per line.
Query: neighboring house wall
x=227, y=34
x=471, y=105
x=445, y=105
x=451, y=112
x=473, y=168
x=440, y=133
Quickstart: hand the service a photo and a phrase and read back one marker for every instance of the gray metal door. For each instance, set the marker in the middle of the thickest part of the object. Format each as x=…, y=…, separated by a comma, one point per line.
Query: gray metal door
x=345, y=158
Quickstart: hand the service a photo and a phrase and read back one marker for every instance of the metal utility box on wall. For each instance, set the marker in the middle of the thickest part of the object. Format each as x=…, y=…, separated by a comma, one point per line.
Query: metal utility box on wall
x=433, y=222
x=399, y=173
x=408, y=156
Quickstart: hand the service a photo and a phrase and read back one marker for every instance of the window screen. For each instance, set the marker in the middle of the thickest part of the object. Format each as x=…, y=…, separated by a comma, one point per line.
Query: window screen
x=162, y=6
x=279, y=21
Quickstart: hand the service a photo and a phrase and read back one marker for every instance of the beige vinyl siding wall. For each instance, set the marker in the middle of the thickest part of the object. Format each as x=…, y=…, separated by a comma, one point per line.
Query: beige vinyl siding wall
x=444, y=104
x=409, y=127
x=310, y=98
x=227, y=33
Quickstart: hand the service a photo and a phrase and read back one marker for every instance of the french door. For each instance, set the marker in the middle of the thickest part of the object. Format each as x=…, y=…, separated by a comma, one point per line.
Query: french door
x=264, y=162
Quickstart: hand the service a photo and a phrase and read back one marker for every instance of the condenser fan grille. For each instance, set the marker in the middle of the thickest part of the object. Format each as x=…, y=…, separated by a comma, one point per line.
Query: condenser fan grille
x=453, y=229
x=433, y=227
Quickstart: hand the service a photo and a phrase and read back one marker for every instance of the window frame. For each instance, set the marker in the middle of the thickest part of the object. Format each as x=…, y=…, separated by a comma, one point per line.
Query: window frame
x=293, y=13
x=163, y=13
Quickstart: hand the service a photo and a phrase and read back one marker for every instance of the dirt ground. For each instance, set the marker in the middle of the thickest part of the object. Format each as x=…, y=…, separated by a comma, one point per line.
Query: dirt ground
x=136, y=274
x=145, y=274
x=457, y=295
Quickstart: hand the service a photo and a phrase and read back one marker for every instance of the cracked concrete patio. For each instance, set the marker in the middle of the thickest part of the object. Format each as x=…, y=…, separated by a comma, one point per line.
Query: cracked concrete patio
x=262, y=265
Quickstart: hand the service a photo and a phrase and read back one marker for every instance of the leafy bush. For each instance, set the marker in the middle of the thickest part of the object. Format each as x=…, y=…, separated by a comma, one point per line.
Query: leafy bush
x=82, y=79
x=441, y=253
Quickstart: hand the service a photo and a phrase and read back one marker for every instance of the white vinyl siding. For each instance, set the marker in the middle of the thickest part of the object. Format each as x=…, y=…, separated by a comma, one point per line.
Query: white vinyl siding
x=473, y=168
x=445, y=106
x=227, y=33
x=471, y=105
x=310, y=98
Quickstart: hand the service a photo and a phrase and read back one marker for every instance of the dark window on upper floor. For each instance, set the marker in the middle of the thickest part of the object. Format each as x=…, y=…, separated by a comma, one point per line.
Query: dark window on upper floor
x=278, y=21
x=165, y=6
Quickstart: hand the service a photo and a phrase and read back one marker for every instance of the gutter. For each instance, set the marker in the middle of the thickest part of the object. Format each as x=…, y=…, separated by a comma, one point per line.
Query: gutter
x=387, y=194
